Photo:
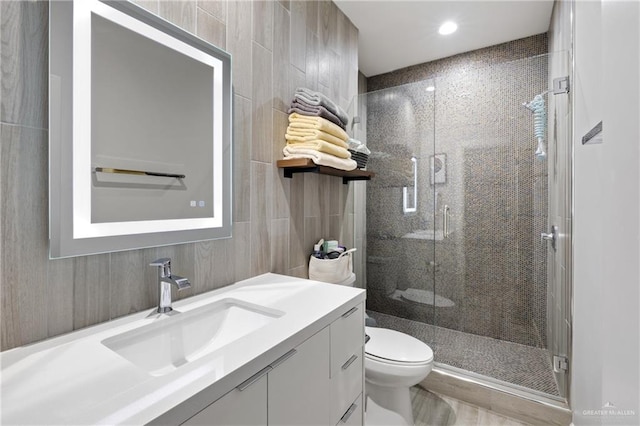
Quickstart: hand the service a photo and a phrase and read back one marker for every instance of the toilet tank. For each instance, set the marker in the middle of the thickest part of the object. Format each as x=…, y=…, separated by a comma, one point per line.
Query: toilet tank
x=382, y=274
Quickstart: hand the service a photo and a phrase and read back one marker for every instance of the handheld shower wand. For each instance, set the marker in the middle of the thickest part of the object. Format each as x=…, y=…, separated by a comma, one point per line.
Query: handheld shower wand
x=537, y=106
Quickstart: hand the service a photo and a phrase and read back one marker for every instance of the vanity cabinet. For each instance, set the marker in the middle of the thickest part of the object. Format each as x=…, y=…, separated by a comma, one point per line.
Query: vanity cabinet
x=246, y=407
x=347, y=368
x=319, y=382
x=270, y=350
x=299, y=386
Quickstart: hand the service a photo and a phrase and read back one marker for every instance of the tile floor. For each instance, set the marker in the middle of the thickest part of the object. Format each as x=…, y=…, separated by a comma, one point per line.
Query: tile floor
x=506, y=361
x=430, y=409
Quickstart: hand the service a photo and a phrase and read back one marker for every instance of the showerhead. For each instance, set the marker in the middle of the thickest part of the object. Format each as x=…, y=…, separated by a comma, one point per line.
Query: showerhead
x=538, y=108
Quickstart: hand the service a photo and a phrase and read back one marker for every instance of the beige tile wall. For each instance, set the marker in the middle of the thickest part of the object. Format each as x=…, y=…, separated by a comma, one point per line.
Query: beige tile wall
x=276, y=46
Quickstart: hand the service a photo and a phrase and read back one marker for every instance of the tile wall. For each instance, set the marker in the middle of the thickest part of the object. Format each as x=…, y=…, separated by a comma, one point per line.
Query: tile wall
x=276, y=46
x=477, y=59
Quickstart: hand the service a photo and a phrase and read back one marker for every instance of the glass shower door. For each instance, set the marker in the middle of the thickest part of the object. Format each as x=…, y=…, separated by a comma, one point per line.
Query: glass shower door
x=494, y=203
x=401, y=222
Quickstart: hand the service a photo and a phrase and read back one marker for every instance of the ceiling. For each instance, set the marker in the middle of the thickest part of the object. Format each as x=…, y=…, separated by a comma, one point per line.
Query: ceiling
x=395, y=33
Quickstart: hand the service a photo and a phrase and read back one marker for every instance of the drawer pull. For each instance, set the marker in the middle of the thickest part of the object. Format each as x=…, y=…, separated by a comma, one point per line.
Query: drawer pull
x=349, y=312
x=348, y=414
x=251, y=380
x=283, y=358
x=349, y=362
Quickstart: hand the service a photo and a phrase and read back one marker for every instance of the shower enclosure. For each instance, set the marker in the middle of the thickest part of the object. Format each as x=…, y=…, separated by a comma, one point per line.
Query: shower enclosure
x=455, y=214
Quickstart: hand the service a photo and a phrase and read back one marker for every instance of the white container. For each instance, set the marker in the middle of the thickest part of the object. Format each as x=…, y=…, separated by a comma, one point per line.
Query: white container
x=335, y=271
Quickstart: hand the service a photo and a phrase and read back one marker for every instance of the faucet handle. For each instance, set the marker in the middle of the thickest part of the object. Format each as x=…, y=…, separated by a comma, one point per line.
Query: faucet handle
x=165, y=266
x=165, y=261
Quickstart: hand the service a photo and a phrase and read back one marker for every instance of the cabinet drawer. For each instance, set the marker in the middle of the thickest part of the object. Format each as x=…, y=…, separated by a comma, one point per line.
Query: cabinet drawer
x=347, y=336
x=354, y=415
x=346, y=385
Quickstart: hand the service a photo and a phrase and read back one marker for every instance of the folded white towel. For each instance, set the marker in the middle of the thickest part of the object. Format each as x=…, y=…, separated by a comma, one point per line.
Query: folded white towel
x=320, y=158
x=322, y=146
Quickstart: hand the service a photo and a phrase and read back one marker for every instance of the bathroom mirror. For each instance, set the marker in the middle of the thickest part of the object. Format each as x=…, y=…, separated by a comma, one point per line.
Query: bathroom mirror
x=140, y=131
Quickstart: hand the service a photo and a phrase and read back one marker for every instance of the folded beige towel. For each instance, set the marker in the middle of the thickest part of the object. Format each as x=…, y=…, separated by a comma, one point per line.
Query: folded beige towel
x=298, y=121
x=323, y=146
x=320, y=158
x=307, y=135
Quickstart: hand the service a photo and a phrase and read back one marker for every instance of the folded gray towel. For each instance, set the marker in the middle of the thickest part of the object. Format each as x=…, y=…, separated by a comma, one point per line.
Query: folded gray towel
x=302, y=108
x=316, y=98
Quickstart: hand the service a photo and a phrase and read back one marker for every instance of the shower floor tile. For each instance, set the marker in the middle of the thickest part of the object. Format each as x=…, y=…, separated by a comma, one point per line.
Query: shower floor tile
x=509, y=362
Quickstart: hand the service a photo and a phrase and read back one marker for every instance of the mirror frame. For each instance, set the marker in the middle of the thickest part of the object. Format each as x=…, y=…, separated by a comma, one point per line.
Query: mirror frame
x=71, y=232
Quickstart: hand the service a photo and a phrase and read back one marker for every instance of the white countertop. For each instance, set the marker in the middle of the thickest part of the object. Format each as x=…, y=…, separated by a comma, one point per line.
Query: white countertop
x=75, y=380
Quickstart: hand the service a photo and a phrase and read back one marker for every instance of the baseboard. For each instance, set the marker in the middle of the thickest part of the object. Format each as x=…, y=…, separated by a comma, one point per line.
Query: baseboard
x=528, y=410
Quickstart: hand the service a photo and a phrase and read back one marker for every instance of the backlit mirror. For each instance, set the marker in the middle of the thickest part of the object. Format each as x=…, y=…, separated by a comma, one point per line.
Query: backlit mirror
x=140, y=131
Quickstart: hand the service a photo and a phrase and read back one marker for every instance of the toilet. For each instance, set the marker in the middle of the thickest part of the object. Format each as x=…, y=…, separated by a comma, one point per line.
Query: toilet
x=393, y=363
x=382, y=272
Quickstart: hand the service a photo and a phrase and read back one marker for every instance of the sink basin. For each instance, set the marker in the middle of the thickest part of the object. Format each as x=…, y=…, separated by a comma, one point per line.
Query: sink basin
x=168, y=343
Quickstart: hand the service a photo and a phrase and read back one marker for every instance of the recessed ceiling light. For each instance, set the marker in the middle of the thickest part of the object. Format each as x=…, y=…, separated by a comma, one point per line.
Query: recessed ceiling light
x=448, y=27
x=430, y=88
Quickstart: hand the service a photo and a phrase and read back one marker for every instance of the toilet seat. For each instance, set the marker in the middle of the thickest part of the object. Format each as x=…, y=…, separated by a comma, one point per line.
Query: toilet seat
x=395, y=348
x=394, y=362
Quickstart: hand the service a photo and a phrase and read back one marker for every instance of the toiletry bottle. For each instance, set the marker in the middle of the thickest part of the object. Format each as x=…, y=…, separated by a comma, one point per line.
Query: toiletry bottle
x=317, y=253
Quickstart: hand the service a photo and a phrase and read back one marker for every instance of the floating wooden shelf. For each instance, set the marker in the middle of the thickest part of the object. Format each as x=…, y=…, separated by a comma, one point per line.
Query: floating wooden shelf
x=305, y=165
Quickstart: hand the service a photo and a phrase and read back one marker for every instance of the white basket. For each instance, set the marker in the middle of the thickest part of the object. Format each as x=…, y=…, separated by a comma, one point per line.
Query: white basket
x=335, y=271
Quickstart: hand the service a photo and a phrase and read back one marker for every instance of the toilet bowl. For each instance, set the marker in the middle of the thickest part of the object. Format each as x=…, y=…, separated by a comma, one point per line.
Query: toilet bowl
x=393, y=363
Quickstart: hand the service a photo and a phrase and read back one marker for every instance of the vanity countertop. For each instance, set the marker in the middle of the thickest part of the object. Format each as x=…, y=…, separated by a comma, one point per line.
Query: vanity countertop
x=75, y=380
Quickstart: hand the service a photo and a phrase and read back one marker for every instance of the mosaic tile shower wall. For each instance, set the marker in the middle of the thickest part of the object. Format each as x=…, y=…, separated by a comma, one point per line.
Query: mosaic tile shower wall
x=473, y=143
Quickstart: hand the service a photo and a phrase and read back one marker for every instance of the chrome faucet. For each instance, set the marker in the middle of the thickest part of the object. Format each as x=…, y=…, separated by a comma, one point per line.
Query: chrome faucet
x=165, y=281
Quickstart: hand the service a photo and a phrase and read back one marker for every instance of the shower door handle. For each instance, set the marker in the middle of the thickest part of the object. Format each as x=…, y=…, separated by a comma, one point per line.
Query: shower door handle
x=550, y=236
x=445, y=221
